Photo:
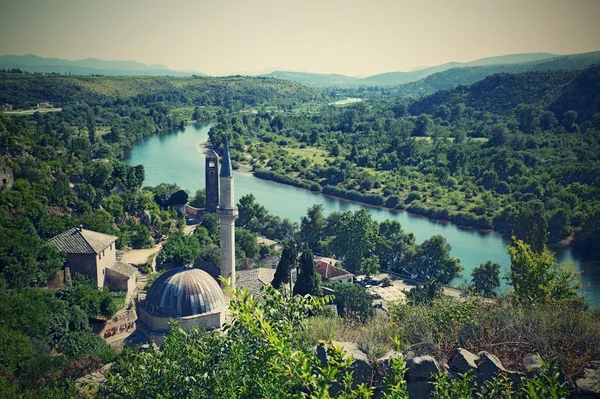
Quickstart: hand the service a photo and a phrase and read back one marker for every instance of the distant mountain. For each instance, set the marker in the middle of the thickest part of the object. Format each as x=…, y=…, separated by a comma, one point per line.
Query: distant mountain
x=398, y=78
x=470, y=74
x=88, y=66
x=314, y=79
x=555, y=90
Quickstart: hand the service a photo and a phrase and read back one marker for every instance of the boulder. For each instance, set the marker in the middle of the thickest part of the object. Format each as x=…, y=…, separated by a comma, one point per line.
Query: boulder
x=590, y=383
x=146, y=219
x=421, y=368
x=462, y=361
x=531, y=363
x=363, y=372
x=489, y=366
x=384, y=363
x=419, y=389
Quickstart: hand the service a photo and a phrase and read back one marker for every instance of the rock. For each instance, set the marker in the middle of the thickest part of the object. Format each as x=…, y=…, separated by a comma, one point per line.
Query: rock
x=421, y=368
x=384, y=363
x=590, y=383
x=7, y=178
x=363, y=372
x=147, y=219
x=322, y=354
x=531, y=363
x=463, y=361
x=488, y=367
x=419, y=389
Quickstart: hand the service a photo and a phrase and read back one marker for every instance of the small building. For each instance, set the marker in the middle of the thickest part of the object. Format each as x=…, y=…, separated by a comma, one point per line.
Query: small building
x=93, y=254
x=189, y=296
x=44, y=104
x=6, y=107
x=333, y=274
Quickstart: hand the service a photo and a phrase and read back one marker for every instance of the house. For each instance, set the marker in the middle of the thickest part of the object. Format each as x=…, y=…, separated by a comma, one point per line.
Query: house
x=333, y=274
x=6, y=107
x=93, y=254
x=44, y=104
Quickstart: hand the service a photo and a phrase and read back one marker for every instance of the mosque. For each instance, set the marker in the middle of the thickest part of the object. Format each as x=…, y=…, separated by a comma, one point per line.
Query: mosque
x=192, y=296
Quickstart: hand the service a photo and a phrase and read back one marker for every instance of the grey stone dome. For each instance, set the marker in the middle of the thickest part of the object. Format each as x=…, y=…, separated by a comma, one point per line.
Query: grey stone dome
x=183, y=292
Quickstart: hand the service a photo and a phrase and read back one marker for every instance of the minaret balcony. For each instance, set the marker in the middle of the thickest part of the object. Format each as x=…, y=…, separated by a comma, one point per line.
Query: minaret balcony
x=227, y=212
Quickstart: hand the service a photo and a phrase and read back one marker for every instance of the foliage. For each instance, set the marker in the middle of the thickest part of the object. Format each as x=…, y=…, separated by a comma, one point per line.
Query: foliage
x=486, y=278
x=308, y=281
x=179, y=249
x=286, y=263
x=353, y=301
x=426, y=293
x=536, y=277
x=81, y=344
x=354, y=239
x=93, y=302
x=199, y=199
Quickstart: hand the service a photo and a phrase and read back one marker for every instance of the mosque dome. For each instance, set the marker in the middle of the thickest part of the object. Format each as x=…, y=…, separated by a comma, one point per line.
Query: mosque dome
x=183, y=292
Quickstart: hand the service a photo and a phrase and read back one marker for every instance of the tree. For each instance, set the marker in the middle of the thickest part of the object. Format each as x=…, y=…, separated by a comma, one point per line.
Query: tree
x=311, y=226
x=528, y=116
x=246, y=242
x=423, y=125
x=486, y=278
x=537, y=278
x=370, y=266
x=426, y=293
x=250, y=211
x=531, y=225
x=569, y=119
x=432, y=259
x=179, y=249
x=353, y=301
x=199, y=199
x=355, y=238
x=196, y=115
x=307, y=282
x=286, y=263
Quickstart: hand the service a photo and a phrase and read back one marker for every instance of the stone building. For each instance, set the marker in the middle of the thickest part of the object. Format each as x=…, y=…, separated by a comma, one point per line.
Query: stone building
x=191, y=296
x=333, y=274
x=93, y=254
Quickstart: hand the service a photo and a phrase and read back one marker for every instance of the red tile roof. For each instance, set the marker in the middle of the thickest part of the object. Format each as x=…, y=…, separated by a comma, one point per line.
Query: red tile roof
x=330, y=272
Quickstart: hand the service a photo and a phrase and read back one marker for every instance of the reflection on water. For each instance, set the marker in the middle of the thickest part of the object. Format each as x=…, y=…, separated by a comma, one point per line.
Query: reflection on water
x=177, y=157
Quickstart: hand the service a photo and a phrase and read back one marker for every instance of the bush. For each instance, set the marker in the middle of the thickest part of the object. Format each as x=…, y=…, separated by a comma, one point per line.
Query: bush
x=353, y=301
x=78, y=345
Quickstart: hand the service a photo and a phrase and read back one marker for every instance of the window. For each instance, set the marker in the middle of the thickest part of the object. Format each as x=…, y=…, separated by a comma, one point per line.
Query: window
x=211, y=164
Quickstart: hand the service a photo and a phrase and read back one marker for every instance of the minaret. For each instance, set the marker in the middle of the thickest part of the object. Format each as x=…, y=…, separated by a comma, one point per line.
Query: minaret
x=212, y=181
x=227, y=212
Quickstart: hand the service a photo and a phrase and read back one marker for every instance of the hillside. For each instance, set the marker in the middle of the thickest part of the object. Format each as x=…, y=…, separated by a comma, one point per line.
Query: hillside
x=397, y=78
x=88, y=66
x=559, y=91
x=467, y=75
x=24, y=91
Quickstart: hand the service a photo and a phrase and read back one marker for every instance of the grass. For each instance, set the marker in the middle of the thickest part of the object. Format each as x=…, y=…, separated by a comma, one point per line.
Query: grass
x=316, y=155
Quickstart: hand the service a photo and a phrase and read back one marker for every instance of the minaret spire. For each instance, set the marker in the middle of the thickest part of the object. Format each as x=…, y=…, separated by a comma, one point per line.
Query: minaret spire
x=227, y=212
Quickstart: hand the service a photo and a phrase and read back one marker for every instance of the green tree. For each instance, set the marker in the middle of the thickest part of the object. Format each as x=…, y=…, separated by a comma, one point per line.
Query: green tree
x=355, y=238
x=353, y=301
x=199, y=199
x=179, y=249
x=531, y=225
x=246, y=242
x=432, y=259
x=485, y=278
x=286, y=263
x=308, y=281
x=426, y=293
x=311, y=226
x=537, y=278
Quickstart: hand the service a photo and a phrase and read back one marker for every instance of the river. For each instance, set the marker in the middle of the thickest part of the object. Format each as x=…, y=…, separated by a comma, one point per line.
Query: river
x=176, y=156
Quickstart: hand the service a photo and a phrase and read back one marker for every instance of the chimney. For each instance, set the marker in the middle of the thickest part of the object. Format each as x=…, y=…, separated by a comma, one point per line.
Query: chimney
x=80, y=228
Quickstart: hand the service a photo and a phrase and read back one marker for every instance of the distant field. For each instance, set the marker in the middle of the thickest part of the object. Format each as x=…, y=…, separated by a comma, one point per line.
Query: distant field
x=316, y=155
x=32, y=111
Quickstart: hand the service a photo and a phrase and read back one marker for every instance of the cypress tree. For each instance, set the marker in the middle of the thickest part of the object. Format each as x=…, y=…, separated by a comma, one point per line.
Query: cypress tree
x=307, y=281
x=286, y=263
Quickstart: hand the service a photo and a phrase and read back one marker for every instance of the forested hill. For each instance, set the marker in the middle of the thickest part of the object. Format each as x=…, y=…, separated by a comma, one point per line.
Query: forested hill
x=454, y=77
x=558, y=91
x=23, y=91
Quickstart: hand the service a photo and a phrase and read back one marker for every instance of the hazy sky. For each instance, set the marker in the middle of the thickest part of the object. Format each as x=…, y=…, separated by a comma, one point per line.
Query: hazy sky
x=326, y=36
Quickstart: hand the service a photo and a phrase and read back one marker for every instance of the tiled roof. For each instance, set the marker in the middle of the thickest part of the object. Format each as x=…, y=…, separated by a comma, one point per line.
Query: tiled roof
x=254, y=279
x=82, y=241
x=330, y=272
x=123, y=268
x=183, y=292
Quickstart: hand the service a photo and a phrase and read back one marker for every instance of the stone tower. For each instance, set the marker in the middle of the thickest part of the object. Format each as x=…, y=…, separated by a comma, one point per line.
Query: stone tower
x=227, y=212
x=212, y=181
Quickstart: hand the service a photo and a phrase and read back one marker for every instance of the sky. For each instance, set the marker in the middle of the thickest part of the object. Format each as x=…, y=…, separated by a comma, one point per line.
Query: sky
x=350, y=37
